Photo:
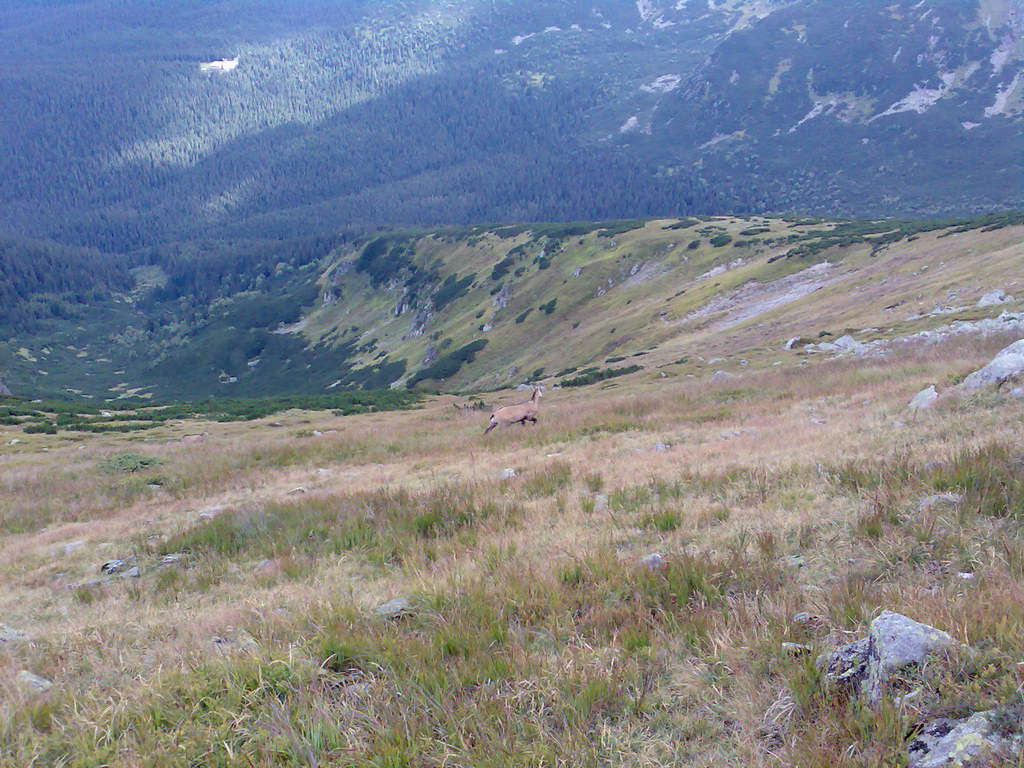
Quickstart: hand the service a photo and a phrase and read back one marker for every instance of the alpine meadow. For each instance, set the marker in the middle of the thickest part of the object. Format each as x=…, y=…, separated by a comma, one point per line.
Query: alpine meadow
x=512, y=383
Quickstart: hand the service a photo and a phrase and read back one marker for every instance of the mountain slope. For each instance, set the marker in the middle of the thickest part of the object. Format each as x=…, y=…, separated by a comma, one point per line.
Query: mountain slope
x=427, y=112
x=487, y=307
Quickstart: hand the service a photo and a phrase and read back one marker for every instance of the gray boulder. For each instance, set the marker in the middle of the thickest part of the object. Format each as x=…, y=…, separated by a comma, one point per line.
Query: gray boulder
x=847, y=665
x=929, y=503
x=1007, y=366
x=395, y=608
x=924, y=399
x=33, y=682
x=976, y=742
x=8, y=635
x=994, y=298
x=113, y=566
x=722, y=376
x=896, y=643
x=653, y=562
x=4, y=391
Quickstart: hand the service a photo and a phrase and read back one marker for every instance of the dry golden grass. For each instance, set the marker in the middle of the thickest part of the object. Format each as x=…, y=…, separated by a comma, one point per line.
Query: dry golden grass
x=536, y=640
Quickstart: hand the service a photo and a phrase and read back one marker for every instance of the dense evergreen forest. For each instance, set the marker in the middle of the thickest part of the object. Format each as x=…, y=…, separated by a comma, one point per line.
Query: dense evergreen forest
x=339, y=115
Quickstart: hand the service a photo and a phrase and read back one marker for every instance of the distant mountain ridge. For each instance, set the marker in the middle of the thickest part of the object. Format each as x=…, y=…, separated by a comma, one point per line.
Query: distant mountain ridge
x=426, y=112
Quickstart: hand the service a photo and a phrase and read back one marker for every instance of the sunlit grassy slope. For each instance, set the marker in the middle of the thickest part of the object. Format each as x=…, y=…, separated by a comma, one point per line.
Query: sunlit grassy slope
x=553, y=298
x=533, y=638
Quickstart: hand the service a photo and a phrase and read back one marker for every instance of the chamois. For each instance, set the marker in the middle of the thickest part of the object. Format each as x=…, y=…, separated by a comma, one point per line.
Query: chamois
x=520, y=413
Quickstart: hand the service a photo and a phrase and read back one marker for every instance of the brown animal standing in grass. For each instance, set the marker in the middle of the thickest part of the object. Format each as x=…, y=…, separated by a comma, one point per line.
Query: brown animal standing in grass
x=520, y=413
x=194, y=438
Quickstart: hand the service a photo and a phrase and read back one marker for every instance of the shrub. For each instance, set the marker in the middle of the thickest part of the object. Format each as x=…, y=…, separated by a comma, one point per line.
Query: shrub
x=129, y=462
x=592, y=375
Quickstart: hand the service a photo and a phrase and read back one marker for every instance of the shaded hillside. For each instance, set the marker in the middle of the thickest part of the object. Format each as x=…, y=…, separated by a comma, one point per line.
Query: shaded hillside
x=427, y=112
x=492, y=307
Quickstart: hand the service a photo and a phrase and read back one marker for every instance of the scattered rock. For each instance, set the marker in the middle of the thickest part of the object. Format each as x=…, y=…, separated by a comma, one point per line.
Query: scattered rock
x=33, y=682
x=132, y=573
x=208, y=513
x=993, y=298
x=808, y=621
x=67, y=549
x=113, y=566
x=507, y=473
x=722, y=376
x=395, y=608
x=924, y=399
x=792, y=343
x=660, y=448
x=653, y=562
x=323, y=471
x=976, y=742
x=940, y=499
x=965, y=575
x=847, y=665
x=298, y=491
x=171, y=559
x=600, y=502
x=8, y=635
x=797, y=649
x=240, y=641
x=1005, y=367
x=1017, y=393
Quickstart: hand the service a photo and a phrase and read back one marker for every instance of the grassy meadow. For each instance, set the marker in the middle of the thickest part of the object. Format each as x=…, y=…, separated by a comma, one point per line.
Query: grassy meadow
x=532, y=635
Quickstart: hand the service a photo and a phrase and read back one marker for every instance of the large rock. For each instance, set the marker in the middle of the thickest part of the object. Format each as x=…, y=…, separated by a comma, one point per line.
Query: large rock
x=894, y=644
x=1007, y=366
x=994, y=298
x=976, y=742
x=4, y=391
x=924, y=399
x=897, y=643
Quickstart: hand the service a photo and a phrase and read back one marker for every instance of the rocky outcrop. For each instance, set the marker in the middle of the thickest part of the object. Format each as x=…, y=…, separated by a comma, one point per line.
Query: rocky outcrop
x=1006, y=367
x=894, y=643
x=4, y=391
x=979, y=741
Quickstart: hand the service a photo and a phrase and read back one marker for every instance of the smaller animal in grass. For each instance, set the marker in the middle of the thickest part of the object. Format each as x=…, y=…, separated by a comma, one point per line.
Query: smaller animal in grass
x=195, y=438
x=520, y=413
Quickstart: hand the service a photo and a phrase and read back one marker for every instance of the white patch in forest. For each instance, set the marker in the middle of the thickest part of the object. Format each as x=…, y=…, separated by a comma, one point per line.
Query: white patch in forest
x=1003, y=98
x=221, y=65
x=630, y=126
x=969, y=126
x=663, y=84
x=646, y=9
x=520, y=39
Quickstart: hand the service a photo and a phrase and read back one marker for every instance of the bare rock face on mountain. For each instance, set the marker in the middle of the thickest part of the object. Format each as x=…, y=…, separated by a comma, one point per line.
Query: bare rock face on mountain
x=4, y=391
